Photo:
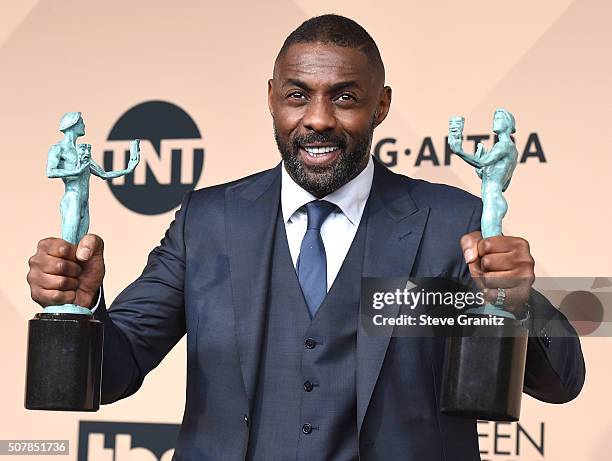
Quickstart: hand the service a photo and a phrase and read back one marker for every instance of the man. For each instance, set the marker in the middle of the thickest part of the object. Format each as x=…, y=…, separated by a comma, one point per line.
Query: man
x=265, y=281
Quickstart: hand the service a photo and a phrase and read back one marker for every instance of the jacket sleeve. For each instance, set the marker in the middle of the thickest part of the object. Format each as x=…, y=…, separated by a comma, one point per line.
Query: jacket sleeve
x=555, y=369
x=147, y=318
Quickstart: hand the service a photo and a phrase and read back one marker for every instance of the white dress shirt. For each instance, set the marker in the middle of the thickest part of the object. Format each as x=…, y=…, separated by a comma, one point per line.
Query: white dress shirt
x=339, y=229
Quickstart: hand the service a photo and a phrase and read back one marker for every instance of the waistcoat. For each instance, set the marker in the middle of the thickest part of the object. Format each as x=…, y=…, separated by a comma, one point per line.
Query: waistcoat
x=305, y=404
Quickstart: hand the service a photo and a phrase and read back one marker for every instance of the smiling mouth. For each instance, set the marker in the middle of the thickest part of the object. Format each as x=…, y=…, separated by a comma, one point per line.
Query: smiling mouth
x=319, y=151
x=319, y=156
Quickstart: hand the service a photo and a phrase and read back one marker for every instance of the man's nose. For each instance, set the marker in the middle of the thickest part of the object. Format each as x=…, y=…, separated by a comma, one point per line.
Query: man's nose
x=319, y=115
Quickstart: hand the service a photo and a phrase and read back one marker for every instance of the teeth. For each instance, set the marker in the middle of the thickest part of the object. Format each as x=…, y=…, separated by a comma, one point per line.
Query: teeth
x=320, y=150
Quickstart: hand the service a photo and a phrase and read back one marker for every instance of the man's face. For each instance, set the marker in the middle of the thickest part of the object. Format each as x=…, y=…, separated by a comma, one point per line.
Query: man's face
x=325, y=102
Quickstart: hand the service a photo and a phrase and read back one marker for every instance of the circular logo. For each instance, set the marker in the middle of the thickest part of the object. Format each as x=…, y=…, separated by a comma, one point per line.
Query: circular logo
x=584, y=310
x=171, y=157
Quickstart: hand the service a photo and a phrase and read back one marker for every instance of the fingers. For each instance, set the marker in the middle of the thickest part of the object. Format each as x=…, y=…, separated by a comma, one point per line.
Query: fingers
x=52, y=297
x=55, y=256
x=496, y=262
x=59, y=271
x=47, y=264
x=502, y=244
x=53, y=272
x=57, y=282
x=507, y=263
x=89, y=245
x=49, y=288
x=507, y=257
x=502, y=279
x=58, y=248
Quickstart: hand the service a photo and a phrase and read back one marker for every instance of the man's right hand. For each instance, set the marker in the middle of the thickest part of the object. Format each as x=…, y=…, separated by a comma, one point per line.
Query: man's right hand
x=62, y=273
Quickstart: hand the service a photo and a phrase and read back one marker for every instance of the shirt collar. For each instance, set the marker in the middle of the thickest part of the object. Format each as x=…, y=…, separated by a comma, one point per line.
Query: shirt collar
x=350, y=198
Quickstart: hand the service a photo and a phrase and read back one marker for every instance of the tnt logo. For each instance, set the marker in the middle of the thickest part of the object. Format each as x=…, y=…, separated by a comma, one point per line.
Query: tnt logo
x=172, y=157
x=104, y=441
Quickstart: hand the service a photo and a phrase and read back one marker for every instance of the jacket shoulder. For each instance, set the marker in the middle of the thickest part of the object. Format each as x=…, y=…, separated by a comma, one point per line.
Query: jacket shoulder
x=212, y=195
x=437, y=195
x=203, y=210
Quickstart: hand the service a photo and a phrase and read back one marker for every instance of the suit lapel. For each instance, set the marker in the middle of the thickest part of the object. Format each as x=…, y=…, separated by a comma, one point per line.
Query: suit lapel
x=251, y=216
x=394, y=229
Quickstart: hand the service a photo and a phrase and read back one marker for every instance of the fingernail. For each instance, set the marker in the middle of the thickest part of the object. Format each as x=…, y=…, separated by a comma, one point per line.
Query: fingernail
x=469, y=255
x=84, y=254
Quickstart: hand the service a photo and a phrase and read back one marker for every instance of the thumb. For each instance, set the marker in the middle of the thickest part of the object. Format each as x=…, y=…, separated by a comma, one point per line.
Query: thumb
x=469, y=246
x=90, y=244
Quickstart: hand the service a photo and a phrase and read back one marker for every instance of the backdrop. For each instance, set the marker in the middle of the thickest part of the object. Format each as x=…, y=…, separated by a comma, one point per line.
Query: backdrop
x=189, y=78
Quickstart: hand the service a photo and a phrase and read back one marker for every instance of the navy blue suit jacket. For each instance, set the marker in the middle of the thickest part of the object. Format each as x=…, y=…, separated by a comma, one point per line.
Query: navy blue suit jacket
x=208, y=279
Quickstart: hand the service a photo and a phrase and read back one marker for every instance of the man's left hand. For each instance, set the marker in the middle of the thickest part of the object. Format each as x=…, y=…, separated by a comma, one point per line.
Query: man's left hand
x=501, y=262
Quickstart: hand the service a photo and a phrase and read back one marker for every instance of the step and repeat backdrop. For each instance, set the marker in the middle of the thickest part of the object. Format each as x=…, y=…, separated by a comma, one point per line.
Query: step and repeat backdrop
x=189, y=78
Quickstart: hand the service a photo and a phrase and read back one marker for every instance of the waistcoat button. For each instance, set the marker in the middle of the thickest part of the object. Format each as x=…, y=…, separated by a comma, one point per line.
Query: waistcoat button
x=307, y=428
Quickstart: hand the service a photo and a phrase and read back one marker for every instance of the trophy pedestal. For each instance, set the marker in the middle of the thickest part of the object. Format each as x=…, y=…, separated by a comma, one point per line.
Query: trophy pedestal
x=64, y=364
x=484, y=367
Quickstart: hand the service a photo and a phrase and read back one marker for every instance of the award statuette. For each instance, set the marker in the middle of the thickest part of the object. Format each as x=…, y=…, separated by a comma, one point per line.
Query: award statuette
x=484, y=366
x=64, y=361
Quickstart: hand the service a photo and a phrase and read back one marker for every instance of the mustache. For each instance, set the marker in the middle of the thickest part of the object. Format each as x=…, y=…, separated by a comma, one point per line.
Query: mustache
x=311, y=138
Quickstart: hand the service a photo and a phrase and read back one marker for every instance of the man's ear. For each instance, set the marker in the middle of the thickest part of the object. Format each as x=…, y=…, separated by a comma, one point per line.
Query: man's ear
x=270, y=96
x=382, y=109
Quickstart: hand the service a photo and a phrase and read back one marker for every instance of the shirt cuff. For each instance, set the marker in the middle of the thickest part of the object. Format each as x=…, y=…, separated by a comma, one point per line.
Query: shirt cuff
x=93, y=309
x=525, y=320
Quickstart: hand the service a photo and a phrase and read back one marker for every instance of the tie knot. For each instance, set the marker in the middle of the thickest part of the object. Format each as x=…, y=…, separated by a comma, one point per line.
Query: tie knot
x=318, y=211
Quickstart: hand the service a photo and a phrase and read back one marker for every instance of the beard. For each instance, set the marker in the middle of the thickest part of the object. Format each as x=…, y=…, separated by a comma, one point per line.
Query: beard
x=323, y=180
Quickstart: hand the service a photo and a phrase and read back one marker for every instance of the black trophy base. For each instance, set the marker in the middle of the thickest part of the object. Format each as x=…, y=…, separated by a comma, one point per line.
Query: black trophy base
x=64, y=366
x=483, y=372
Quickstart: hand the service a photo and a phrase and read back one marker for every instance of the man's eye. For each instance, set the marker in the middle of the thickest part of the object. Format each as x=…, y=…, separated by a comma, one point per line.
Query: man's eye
x=296, y=95
x=346, y=97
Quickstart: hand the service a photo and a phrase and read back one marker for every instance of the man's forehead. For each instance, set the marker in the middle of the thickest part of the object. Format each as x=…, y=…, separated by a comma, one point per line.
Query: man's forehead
x=304, y=59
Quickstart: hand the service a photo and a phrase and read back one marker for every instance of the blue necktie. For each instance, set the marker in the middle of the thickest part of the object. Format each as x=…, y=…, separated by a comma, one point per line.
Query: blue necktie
x=312, y=262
